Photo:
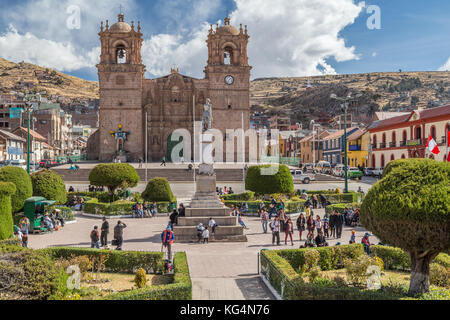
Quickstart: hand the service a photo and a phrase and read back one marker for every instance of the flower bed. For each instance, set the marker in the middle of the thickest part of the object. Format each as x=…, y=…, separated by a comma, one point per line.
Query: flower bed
x=285, y=271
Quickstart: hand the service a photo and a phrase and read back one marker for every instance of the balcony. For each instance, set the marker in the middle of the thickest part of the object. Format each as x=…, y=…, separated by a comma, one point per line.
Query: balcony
x=416, y=142
x=392, y=144
x=382, y=145
x=402, y=143
x=354, y=148
x=443, y=140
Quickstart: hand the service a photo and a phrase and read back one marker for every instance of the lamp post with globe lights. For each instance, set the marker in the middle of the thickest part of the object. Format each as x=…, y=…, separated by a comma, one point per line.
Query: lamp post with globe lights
x=29, y=99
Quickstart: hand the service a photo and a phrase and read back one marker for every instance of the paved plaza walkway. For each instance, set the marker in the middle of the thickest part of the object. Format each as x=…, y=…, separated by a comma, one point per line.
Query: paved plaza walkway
x=225, y=271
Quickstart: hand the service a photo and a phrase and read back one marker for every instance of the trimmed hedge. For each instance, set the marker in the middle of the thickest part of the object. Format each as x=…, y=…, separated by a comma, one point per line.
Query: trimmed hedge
x=22, y=181
x=119, y=261
x=247, y=196
x=278, y=179
x=340, y=207
x=331, y=258
x=180, y=289
x=253, y=206
x=117, y=208
x=66, y=212
x=158, y=189
x=48, y=184
x=7, y=189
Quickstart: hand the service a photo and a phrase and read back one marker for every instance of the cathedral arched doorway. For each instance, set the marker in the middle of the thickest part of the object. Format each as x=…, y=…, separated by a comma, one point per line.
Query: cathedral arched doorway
x=171, y=145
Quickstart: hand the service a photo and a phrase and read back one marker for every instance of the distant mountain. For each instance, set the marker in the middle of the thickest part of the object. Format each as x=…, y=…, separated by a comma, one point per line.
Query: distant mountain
x=308, y=98
x=20, y=76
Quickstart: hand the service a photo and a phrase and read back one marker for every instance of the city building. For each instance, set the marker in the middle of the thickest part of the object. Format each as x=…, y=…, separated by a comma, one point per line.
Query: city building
x=138, y=114
x=406, y=136
x=281, y=123
x=308, y=155
x=333, y=146
x=37, y=143
x=11, y=146
x=358, y=148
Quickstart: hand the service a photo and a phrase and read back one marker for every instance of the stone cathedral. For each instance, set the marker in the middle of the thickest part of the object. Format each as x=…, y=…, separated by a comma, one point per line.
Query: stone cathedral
x=171, y=102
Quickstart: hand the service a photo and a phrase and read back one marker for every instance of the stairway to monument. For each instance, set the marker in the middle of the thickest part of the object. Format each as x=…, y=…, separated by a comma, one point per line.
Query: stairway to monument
x=206, y=205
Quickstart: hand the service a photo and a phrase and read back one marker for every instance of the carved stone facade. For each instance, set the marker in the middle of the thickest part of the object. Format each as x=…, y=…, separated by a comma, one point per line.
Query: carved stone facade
x=126, y=97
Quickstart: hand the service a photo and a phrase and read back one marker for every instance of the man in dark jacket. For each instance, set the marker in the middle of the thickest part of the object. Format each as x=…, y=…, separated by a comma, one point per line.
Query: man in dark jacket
x=333, y=224
x=104, y=233
x=118, y=234
x=339, y=224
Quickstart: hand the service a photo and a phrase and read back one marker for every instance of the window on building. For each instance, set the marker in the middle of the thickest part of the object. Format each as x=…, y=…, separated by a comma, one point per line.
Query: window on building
x=433, y=132
x=374, y=163
x=228, y=56
x=418, y=133
x=374, y=139
x=382, y=161
x=405, y=136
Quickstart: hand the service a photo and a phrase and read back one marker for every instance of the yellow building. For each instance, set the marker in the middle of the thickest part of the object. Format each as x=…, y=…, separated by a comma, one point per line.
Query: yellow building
x=358, y=146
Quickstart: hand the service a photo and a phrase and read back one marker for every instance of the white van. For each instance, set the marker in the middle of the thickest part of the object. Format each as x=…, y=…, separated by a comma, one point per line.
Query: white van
x=338, y=170
x=324, y=167
x=18, y=163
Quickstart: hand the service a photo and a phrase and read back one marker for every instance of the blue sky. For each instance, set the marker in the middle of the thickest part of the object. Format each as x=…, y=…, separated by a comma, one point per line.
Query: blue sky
x=288, y=37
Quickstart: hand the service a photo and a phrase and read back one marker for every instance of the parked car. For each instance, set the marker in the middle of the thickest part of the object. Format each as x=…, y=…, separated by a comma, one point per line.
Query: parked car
x=305, y=178
x=368, y=172
x=354, y=173
x=324, y=167
x=377, y=172
x=47, y=163
x=338, y=170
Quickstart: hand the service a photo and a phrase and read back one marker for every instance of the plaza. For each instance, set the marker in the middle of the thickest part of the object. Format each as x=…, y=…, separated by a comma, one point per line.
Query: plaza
x=219, y=271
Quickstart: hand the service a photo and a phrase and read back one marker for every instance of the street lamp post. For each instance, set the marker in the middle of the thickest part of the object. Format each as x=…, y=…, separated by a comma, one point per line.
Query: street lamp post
x=345, y=107
x=28, y=99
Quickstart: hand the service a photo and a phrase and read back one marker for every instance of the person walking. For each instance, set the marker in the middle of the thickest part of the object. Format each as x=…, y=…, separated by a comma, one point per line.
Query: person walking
x=163, y=162
x=301, y=221
x=339, y=224
x=118, y=234
x=200, y=229
x=104, y=232
x=289, y=229
x=167, y=239
x=314, y=201
x=140, y=163
x=310, y=225
x=95, y=238
x=283, y=219
x=275, y=226
x=326, y=227
x=264, y=220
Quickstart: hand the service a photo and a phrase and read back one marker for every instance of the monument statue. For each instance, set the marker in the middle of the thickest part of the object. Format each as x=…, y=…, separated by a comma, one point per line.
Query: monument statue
x=207, y=116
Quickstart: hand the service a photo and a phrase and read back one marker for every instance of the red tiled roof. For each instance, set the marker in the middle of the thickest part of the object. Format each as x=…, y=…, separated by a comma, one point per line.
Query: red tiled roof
x=33, y=133
x=338, y=134
x=424, y=114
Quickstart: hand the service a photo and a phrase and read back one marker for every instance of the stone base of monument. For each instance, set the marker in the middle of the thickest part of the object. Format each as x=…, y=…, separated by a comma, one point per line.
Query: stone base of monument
x=206, y=204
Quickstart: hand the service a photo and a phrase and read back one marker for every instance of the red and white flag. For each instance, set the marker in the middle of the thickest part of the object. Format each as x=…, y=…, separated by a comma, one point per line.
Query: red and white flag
x=432, y=146
x=448, y=145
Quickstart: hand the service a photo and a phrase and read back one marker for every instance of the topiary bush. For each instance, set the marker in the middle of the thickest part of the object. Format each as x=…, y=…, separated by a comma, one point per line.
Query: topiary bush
x=7, y=189
x=48, y=184
x=114, y=176
x=158, y=189
x=268, y=179
x=410, y=209
x=439, y=275
x=22, y=181
x=140, y=279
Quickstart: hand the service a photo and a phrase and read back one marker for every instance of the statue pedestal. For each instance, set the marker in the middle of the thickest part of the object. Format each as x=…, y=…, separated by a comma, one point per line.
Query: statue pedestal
x=206, y=204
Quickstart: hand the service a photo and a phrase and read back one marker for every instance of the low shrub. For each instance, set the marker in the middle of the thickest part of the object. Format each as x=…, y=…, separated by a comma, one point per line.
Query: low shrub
x=393, y=258
x=340, y=207
x=276, y=179
x=311, y=260
x=118, y=261
x=121, y=207
x=247, y=196
x=140, y=279
x=356, y=269
x=180, y=289
x=28, y=275
x=439, y=275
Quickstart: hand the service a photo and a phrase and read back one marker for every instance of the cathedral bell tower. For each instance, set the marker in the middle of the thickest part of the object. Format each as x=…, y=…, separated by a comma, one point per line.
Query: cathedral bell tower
x=121, y=76
x=228, y=73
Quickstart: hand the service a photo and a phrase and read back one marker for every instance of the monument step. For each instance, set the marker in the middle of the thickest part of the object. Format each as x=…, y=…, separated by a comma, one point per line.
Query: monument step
x=195, y=221
x=207, y=212
x=220, y=231
x=212, y=238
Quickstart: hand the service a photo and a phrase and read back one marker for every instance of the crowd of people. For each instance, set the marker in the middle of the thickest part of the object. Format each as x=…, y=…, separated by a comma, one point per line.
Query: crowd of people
x=224, y=191
x=76, y=203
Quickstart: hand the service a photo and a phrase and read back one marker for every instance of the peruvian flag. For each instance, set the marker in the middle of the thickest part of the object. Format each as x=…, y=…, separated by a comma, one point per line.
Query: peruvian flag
x=432, y=146
x=448, y=145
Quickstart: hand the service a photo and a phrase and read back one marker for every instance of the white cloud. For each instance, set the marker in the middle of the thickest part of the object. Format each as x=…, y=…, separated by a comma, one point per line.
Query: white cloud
x=288, y=38
x=46, y=53
x=374, y=54
x=446, y=66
